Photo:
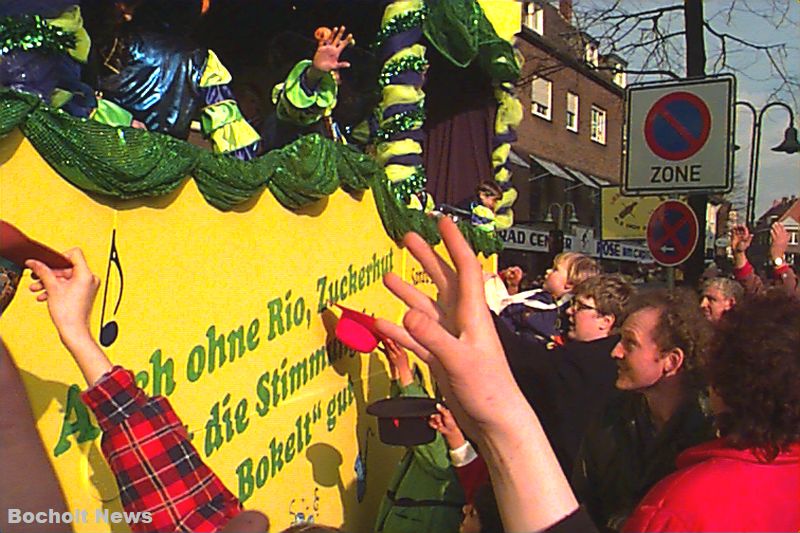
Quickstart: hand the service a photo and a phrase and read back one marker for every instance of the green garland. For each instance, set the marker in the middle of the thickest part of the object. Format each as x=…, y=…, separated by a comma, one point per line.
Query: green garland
x=410, y=120
x=404, y=64
x=29, y=32
x=409, y=186
x=399, y=24
x=129, y=163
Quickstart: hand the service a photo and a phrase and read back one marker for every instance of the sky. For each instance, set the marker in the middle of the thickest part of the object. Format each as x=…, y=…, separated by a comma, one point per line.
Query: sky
x=764, y=22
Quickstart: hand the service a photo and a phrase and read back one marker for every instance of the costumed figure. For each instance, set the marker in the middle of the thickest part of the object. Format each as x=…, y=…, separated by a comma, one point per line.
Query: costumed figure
x=149, y=66
x=42, y=46
x=305, y=101
x=424, y=493
x=479, y=209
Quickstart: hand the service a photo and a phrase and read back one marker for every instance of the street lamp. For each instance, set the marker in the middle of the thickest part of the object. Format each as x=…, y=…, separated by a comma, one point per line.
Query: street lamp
x=559, y=219
x=790, y=145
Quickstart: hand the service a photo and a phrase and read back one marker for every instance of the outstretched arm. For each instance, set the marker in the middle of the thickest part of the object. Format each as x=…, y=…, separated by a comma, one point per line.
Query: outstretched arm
x=456, y=337
x=182, y=494
x=743, y=270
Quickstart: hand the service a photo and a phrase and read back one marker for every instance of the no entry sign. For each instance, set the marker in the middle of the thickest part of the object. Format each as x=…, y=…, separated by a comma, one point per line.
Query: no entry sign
x=672, y=233
x=679, y=137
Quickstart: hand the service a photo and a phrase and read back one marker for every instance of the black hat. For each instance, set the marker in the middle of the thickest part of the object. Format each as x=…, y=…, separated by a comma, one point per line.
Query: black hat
x=403, y=421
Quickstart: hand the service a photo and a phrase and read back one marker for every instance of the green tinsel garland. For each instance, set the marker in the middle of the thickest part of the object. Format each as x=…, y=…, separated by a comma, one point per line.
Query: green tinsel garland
x=401, y=122
x=29, y=32
x=404, y=64
x=409, y=186
x=399, y=24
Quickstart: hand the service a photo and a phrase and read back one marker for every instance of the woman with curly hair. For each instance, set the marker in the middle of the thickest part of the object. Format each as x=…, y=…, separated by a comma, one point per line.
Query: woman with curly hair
x=749, y=478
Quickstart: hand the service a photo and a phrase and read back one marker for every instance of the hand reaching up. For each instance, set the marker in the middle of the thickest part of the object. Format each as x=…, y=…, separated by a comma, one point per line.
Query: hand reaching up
x=455, y=335
x=444, y=423
x=70, y=295
x=398, y=362
x=740, y=242
x=779, y=240
x=741, y=238
x=326, y=58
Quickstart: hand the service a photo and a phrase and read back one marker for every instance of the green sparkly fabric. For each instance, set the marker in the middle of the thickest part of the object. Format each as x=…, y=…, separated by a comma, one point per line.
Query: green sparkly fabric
x=483, y=241
x=29, y=32
x=131, y=163
x=460, y=31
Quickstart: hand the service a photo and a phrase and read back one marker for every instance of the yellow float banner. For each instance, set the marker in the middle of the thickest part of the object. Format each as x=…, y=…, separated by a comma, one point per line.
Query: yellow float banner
x=227, y=315
x=626, y=217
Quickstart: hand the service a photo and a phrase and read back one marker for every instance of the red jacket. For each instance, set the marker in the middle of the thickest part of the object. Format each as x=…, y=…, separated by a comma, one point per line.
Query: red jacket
x=718, y=488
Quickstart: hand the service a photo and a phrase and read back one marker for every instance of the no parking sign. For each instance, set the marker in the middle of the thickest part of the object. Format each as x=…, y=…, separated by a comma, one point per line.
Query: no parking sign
x=672, y=233
x=679, y=137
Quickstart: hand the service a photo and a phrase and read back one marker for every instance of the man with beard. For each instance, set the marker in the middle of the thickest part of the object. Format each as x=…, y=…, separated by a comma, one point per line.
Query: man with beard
x=569, y=385
x=661, y=412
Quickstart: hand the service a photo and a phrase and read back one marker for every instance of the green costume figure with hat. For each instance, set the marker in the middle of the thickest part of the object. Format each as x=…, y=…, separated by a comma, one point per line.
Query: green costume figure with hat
x=424, y=493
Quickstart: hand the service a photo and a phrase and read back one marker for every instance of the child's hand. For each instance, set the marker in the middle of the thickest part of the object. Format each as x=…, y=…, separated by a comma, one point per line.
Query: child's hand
x=444, y=423
x=398, y=362
x=512, y=275
x=69, y=294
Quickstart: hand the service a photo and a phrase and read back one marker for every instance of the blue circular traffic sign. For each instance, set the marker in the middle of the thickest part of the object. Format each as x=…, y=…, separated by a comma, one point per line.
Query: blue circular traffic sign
x=677, y=126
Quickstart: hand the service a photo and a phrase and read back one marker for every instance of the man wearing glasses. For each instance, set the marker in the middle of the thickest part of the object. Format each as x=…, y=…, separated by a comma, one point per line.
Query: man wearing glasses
x=569, y=385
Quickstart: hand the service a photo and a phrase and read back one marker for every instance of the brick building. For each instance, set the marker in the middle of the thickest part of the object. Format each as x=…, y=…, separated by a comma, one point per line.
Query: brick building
x=571, y=133
x=570, y=139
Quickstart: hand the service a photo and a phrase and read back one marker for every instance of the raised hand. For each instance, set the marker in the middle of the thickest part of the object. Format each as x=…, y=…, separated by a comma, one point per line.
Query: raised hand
x=444, y=423
x=454, y=335
x=740, y=238
x=740, y=242
x=398, y=362
x=70, y=295
x=329, y=48
x=779, y=240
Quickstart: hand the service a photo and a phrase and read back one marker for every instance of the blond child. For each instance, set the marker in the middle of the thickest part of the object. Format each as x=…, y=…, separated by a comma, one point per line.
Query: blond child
x=536, y=315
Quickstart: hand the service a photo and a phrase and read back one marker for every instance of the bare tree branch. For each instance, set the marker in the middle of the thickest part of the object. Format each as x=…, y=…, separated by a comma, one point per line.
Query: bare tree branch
x=657, y=12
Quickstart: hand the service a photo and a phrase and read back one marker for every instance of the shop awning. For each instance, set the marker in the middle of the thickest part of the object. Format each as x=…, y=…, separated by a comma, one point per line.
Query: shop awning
x=553, y=168
x=583, y=178
x=515, y=159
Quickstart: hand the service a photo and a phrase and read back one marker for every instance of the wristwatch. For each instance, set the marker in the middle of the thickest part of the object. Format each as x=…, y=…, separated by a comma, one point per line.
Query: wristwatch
x=778, y=262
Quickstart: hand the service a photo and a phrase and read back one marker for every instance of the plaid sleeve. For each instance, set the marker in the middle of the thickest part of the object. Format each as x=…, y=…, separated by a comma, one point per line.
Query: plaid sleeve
x=156, y=467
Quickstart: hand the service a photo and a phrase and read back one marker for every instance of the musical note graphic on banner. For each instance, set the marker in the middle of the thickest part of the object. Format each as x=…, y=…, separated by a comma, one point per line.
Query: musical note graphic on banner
x=110, y=330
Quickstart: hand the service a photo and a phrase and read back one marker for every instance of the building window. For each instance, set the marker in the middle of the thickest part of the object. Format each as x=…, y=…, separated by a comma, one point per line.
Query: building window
x=598, y=125
x=592, y=55
x=534, y=17
x=619, y=76
x=572, y=112
x=792, y=237
x=541, y=97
